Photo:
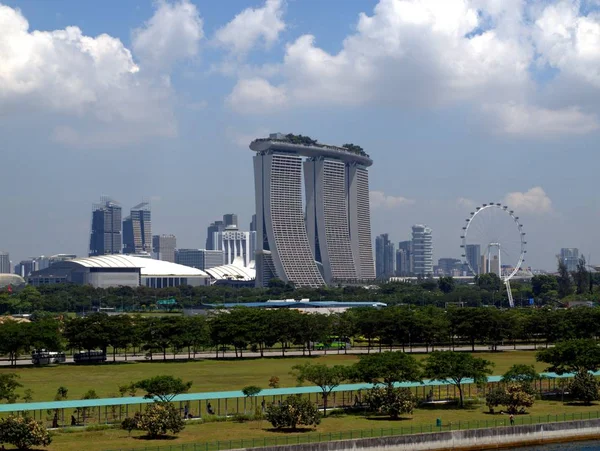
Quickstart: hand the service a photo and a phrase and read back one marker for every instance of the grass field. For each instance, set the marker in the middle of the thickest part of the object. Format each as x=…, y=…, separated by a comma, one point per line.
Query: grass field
x=476, y=416
x=206, y=375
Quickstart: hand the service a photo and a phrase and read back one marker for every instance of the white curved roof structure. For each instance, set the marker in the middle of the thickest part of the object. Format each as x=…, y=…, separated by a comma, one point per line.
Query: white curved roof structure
x=233, y=272
x=148, y=266
x=11, y=279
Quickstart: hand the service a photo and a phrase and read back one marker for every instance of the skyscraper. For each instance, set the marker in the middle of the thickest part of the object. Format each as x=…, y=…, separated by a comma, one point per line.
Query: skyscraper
x=137, y=230
x=422, y=244
x=570, y=257
x=253, y=224
x=4, y=263
x=235, y=243
x=473, y=256
x=214, y=227
x=163, y=247
x=404, y=259
x=334, y=242
x=384, y=256
x=199, y=258
x=105, y=237
x=230, y=219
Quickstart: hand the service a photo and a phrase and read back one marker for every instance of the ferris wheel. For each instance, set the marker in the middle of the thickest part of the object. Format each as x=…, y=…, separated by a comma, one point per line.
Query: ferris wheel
x=493, y=241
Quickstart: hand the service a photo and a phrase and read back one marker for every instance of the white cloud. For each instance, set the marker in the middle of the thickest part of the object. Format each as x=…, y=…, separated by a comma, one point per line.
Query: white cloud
x=90, y=90
x=242, y=139
x=378, y=199
x=173, y=33
x=251, y=26
x=256, y=95
x=533, y=201
x=530, y=120
x=464, y=202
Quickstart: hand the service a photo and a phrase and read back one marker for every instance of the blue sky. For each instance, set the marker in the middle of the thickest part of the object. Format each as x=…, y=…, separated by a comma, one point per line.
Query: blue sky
x=459, y=102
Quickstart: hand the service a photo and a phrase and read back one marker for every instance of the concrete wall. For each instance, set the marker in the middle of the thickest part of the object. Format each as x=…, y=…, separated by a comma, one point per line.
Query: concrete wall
x=467, y=439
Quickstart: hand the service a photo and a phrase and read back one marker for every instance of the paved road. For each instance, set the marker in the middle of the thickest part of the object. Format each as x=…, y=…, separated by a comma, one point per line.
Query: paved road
x=276, y=353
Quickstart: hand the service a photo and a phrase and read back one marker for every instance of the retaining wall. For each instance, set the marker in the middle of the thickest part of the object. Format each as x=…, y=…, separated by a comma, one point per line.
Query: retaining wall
x=475, y=439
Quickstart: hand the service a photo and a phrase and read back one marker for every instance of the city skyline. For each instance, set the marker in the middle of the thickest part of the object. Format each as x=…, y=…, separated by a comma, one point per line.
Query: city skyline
x=448, y=129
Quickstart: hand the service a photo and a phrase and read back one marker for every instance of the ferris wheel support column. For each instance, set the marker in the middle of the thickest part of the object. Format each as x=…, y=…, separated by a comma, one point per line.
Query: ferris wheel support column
x=511, y=301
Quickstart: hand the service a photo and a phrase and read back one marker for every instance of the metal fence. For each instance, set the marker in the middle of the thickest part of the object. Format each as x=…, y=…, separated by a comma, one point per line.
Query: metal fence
x=316, y=437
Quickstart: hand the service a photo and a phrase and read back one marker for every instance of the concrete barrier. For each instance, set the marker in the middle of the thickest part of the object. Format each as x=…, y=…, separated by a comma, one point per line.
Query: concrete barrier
x=471, y=439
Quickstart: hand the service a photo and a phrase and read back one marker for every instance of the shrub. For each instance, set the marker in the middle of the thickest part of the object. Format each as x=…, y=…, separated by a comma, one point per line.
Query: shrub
x=294, y=411
x=159, y=418
x=495, y=398
x=517, y=398
x=391, y=401
x=23, y=432
x=584, y=387
x=129, y=424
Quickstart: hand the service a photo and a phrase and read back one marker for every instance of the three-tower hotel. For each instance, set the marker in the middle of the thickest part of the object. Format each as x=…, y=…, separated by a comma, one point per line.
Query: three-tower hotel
x=328, y=242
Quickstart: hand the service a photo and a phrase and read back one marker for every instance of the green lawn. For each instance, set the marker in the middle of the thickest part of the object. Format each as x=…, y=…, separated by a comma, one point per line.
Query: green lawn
x=206, y=375
x=422, y=419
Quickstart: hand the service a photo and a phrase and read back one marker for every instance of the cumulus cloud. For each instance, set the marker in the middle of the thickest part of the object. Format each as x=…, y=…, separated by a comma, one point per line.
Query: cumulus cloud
x=429, y=53
x=251, y=26
x=91, y=88
x=256, y=95
x=378, y=199
x=529, y=120
x=173, y=33
x=533, y=201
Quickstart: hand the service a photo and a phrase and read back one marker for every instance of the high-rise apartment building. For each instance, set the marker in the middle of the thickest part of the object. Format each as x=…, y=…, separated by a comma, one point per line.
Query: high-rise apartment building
x=235, y=243
x=163, y=247
x=422, y=244
x=473, y=256
x=137, y=230
x=404, y=259
x=214, y=227
x=105, y=237
x=384, y=256
x=4, y=263
x=331, y=240
x=199, y=258
x=570, y=257
x=230, y=219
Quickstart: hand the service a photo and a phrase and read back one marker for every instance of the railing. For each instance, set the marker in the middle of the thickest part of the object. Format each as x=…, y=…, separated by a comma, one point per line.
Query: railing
x=318, y=437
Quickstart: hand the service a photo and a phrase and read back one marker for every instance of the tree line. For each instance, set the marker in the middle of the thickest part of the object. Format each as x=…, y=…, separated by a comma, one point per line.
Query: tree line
x=243, y=329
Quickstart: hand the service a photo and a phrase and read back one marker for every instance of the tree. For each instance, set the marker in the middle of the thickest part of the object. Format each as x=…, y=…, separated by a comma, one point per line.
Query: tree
x=129, y=424
x=159, y=418
x=455, y=367
x=495, y=398
x=565, y=285
x=517, y=398
x=8, y=385
x=250, y=392
x=488, y=282
x=391, y=401
x=274, y=382
x=571, y=356
x=323, y=376
x=521, y=374
x=584, y=387
x=446, y=284
x=582, y=276
x=23, y=432
x=543, y=283
x=294, y=411
x=387, y=367
x=165, y=388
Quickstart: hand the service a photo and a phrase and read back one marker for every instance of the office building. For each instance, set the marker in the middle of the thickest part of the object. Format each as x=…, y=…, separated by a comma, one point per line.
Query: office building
x=137, y=230
x=570, y=257
x=404, y=259
x=473, y=257
x=105, y=237
x=230, y=219
x=236, y=244
x=214, y=227
x=384, y=257
x=449, y=267
x=422, y=245
x=199, y=258
x=4, y=263
x=163, y=247
x=253, y=224
x=329, y=242
x=25, y=267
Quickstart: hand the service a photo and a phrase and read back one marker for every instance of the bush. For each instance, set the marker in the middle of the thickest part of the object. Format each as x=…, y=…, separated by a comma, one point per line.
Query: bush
x=129, y=424
x=294, y=411
x=23, y=432
x=391, y=401
x=495, y=398
x=584, y=387
x=517, y=398
x=159, y=418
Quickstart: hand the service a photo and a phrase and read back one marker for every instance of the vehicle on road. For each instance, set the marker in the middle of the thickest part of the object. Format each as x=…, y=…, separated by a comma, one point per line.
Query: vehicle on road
x=94, y=356
x=43, y=357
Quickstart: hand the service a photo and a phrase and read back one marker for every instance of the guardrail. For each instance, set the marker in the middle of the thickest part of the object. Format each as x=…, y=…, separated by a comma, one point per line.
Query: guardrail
x=317, y=437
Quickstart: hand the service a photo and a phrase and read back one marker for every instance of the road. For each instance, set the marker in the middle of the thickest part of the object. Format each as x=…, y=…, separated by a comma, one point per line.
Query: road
x=158, y=357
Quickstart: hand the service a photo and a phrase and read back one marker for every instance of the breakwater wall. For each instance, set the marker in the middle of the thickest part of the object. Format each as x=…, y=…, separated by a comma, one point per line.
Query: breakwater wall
x=471, y=439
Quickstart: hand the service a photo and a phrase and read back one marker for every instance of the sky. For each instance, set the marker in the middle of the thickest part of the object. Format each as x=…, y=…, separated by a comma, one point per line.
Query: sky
x=458, y=102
